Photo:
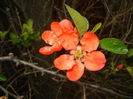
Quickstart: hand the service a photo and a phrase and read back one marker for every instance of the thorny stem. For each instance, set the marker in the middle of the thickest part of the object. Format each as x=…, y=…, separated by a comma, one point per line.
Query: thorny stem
x=18, y=61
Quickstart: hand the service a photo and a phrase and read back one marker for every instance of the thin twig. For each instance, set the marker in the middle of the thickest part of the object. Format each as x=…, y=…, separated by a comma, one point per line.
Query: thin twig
x=4, y=90
x=7, y=92
x=110, y=91
x=18, y=61
x=84, y=92
x=127, y=34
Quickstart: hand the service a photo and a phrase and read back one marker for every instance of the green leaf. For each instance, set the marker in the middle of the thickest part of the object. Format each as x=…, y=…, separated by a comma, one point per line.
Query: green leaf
x=14, y=38
x=35, y=37
x=80, y=22
x=113, y=45
x=2, y=77
x=25, y=35
x=3, y=34
x=30, y=23
x=27, y=43
x=130, y=53
x=26, y=28
x=96, y=27
x=130, y=70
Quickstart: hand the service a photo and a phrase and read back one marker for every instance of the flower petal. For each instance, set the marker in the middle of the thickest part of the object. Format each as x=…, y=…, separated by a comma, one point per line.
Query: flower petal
x=64, y=62
x=69, y=41
x=57, y=47
x=49, y=37
x=56, y=28
x=94, y=61
x=66, y=25
x=76, y=32
x=89, y=42
x=76, y=72
x=47, y=50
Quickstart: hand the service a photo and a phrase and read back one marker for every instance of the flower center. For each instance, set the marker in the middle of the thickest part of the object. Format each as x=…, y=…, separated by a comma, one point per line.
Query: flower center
x=78, y=53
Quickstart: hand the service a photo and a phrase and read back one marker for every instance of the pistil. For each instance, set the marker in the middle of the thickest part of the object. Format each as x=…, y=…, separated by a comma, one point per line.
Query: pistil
x=78, y=53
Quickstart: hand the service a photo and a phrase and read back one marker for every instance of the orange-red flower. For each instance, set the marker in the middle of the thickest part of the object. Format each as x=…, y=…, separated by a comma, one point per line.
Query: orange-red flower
x=61, y=35
x=84, y=56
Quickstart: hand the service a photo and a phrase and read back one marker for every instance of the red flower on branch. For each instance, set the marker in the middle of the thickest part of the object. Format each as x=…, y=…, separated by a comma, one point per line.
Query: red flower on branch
x=120, y=66
x=61, y=35
x=84, y=56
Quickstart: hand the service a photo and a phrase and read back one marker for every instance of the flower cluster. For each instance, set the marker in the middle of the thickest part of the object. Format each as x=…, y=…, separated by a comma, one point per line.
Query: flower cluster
x=83, y=52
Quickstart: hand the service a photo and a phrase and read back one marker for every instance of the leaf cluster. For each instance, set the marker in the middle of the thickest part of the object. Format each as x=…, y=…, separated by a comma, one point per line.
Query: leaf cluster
x=27, y=36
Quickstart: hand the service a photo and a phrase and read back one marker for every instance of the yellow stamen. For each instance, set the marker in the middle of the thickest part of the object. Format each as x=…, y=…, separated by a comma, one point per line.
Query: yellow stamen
x=79, y=53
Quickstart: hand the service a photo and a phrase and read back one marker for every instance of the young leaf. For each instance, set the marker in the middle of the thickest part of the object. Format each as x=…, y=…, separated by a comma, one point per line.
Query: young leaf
x=3, y=34
x=113, y=45
x=96, y=27
x=80, y=22
x=26, y=28
x=130, y=70
x=25, y=35
x=2, y=77
x=30, y=23
x=130, y=53
x=14, y=38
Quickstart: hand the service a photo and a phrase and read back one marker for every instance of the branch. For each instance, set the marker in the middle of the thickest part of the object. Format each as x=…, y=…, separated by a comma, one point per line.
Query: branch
x=7, y=92
x=110, y=91
x=18, y=61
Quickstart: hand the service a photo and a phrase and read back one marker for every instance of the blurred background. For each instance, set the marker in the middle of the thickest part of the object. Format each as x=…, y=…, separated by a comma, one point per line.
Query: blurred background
x=23, y=21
